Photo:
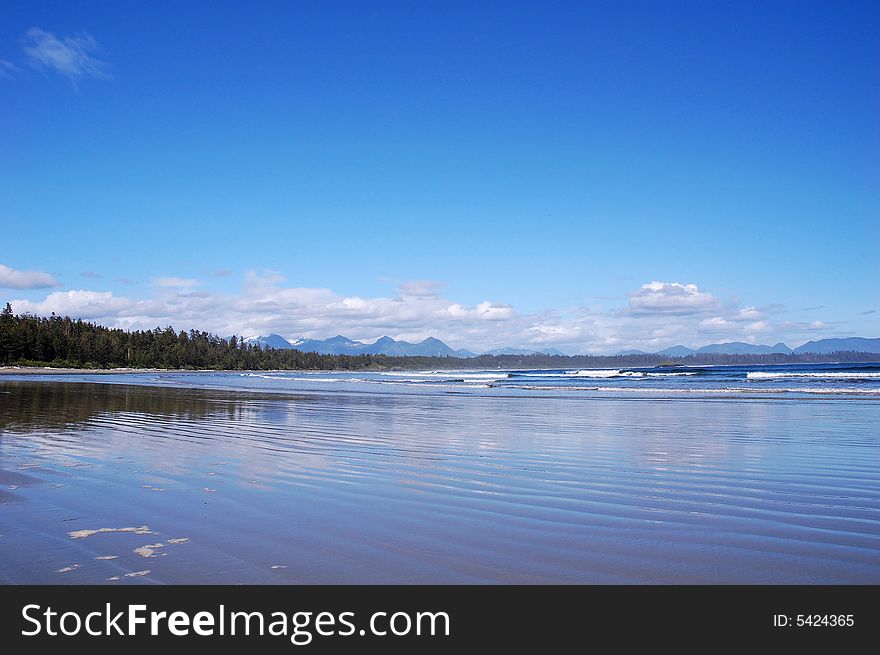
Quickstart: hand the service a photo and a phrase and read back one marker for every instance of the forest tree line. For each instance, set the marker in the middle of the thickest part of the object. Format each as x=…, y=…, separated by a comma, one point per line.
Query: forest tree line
x=28, y=340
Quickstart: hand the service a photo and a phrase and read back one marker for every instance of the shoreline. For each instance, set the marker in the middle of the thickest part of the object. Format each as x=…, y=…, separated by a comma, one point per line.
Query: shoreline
x=48, y=370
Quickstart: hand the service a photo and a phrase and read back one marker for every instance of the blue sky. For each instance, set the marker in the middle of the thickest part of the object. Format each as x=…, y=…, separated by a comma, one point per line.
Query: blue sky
x=588, y=176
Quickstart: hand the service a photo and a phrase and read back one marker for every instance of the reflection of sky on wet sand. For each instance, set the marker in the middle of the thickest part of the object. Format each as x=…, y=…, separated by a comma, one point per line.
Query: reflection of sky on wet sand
x=352, y=487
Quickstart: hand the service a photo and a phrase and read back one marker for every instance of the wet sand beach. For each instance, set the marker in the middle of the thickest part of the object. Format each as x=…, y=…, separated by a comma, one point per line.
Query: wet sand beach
x=137, y=484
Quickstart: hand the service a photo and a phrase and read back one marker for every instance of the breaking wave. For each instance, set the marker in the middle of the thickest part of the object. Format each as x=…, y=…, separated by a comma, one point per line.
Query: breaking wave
x=836, y=375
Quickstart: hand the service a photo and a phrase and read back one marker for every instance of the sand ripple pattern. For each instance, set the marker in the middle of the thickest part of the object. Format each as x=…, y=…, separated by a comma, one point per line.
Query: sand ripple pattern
x=364, y=488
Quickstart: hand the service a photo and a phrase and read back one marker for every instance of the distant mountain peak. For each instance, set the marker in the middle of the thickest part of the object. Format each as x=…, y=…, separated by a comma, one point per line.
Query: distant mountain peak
x=677, y=351
x=271, y=341
x=525, y=351
x=342, y=345
x=742, y=348
x=827, y=346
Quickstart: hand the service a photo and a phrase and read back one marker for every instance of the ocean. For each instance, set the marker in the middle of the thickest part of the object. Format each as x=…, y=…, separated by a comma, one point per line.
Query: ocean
x=711, y=474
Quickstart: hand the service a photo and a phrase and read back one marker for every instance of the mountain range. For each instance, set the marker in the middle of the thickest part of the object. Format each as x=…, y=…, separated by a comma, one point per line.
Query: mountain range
x=854, y=344
x=732, y=348
x=822, y=347
x=522, y=351
x=340, y=345
x=431, y=347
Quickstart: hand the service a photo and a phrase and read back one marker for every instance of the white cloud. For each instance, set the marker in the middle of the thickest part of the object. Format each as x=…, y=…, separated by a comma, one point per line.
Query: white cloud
x=420, y=289
x=69, y=56
x=13, y=279
x=266, y=306
x=748, y=314
x=553, y=333
x=485, y=311
x=715, y=324
x=79, y=304
x=175, y=282
x=658, y=315
x=671, y=298
x=262, y=278
x=489, y=311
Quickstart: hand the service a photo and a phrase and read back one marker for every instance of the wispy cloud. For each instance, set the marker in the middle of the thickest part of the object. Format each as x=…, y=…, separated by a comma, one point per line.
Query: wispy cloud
x=810, y=326
x=91, y=275
x=221, y=272
x=68, y=56
x=13, y=279
x=176, y=282
x=420, y=289
x=868, y=311
x=7, y=69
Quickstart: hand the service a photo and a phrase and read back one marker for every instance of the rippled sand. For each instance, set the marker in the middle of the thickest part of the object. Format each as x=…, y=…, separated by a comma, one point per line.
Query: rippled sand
x=366, y=488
